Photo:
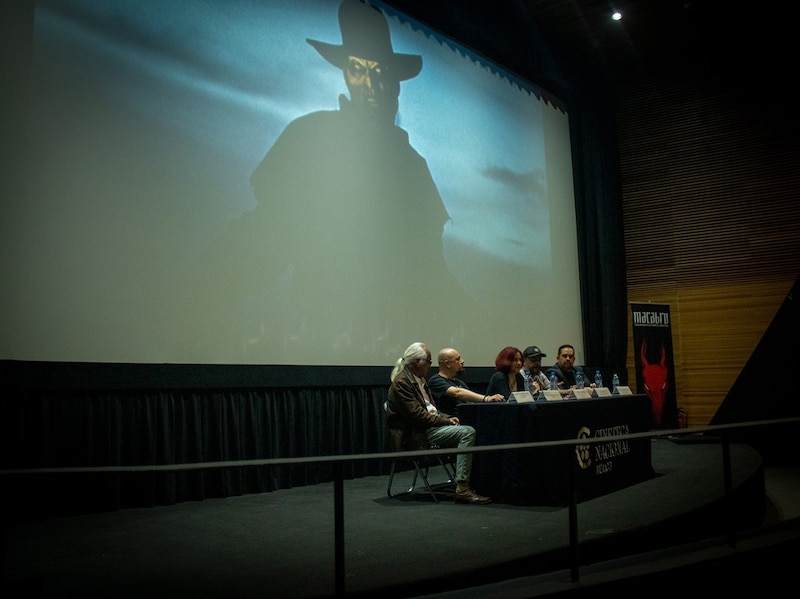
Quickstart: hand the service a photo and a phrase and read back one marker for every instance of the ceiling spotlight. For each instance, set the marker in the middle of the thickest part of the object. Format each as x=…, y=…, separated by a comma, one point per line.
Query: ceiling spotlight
x=616, y=16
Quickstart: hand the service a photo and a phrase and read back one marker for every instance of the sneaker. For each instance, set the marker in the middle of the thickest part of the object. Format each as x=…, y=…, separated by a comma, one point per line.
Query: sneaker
x=470, y=496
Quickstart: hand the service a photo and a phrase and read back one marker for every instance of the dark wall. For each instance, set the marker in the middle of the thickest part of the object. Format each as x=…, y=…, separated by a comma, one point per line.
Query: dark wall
x=758, y=395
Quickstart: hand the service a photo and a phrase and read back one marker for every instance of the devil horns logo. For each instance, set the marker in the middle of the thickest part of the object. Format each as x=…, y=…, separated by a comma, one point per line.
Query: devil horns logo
x=654, y=377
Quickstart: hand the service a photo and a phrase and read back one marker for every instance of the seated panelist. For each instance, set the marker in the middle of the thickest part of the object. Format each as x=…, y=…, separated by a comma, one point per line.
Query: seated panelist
x=532, y=362
x=565, y=370
x=448, y=390
x=506, y=378
x=417, y=423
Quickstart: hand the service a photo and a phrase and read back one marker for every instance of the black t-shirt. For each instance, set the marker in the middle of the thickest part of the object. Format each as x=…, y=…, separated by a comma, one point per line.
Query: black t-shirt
x=438, y=386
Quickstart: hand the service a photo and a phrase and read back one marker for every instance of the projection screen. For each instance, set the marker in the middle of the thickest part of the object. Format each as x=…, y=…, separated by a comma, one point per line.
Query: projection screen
x=199, y=186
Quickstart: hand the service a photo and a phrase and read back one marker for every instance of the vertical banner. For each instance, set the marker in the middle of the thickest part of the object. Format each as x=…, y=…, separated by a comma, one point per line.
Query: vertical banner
x=655, y=374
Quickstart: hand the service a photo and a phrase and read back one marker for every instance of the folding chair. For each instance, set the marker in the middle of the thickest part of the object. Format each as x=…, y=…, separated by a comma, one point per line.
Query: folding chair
x=421, y=467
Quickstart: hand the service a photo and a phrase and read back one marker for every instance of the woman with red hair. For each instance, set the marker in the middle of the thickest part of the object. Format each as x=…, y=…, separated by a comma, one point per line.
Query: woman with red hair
x=506, y=377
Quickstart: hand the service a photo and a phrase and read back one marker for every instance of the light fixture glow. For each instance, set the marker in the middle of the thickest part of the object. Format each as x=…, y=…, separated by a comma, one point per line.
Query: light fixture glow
x=616, y=16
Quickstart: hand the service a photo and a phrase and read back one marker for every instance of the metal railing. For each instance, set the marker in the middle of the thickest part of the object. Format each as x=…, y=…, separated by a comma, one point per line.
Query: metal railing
x=338, y=461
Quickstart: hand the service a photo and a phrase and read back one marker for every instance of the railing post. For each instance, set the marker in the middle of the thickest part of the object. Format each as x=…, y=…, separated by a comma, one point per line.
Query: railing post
x=338, y=527
x=728, y=477
x=573, y=514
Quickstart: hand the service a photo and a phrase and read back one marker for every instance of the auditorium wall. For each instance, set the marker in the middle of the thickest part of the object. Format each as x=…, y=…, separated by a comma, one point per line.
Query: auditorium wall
x=710, y=174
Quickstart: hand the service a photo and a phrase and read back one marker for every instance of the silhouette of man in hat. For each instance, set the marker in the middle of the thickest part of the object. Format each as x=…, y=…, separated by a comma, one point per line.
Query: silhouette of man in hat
x=345, y=205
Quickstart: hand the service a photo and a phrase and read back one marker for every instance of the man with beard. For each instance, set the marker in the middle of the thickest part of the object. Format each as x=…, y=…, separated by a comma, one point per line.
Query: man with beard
x=532, y=362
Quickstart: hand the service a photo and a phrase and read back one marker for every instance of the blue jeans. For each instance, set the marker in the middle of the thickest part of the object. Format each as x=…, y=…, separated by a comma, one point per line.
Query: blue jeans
x=455, y=436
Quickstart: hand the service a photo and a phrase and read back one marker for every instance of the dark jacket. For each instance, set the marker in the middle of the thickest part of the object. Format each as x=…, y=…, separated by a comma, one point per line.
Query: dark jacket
x=566, y=378
x=409, y=418
x=498, y=383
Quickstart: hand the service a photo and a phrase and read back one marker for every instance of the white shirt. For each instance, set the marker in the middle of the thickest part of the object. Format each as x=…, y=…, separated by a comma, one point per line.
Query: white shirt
x=428, y=403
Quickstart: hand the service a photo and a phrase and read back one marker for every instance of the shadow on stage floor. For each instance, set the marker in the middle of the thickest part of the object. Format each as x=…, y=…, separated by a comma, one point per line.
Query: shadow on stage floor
x=281, y=544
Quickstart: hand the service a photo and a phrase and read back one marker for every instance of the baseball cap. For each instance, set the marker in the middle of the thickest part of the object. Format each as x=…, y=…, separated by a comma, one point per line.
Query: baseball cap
x=533, y=351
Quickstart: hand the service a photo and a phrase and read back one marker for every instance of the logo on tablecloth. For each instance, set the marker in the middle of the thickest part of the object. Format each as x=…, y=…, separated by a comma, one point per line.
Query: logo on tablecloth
x=604, y=453
x=583, y=452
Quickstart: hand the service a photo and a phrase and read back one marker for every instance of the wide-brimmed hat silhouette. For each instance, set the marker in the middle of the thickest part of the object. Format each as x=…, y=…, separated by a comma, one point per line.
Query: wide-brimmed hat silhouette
x=365, y=34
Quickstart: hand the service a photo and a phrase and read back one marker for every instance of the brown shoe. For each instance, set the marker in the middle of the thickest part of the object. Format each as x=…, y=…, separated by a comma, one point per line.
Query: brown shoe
x=470, y=496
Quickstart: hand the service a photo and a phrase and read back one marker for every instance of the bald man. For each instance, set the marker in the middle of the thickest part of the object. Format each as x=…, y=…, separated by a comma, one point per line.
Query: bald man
x=448, y=390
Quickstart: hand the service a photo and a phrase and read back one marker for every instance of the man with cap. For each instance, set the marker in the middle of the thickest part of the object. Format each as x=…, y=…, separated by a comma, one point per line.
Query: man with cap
x=532, y=362
x=343, y=198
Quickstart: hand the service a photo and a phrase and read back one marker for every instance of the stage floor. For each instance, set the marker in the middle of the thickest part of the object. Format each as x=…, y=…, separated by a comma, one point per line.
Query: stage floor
x=281, y=544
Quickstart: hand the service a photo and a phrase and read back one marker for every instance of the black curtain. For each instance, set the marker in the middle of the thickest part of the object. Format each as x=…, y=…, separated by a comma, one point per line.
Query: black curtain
x=52, y=430
x=601, y=239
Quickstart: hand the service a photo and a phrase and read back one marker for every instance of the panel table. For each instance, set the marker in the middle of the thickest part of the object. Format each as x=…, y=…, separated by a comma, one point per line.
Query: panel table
x=541, y=476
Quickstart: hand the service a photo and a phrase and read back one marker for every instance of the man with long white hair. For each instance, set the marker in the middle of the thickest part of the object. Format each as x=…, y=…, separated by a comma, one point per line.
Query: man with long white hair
x=414, y=415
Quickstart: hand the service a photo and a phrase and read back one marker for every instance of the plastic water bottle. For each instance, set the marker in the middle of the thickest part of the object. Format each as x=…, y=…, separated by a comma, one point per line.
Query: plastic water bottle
x=553, y=381
x=615, y=384
x=528, y=382
x=579, y=380
x=598, y=379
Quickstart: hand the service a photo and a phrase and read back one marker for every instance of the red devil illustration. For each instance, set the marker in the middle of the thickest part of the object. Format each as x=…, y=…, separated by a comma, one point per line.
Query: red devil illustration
x=655, y=382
